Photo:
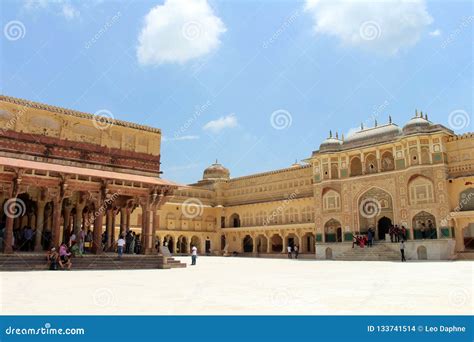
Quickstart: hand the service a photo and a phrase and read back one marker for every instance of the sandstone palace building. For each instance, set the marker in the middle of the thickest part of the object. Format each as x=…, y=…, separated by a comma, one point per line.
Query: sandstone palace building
x=62, y=171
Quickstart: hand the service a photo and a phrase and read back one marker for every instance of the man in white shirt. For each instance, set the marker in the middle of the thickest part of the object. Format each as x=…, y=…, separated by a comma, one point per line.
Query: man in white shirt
x=402, y=250
x=194, y=253
x=290, y=256
x=120, y=245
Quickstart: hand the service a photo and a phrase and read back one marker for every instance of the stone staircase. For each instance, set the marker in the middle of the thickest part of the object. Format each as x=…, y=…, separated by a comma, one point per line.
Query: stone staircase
x=37, y=262
x=379, y=252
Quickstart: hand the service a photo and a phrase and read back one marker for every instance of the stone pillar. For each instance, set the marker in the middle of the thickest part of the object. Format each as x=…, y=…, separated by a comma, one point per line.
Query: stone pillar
x=269, y=244
x=459, y=236
x=109, y=227
x=129, y=213
x=112, y=236
x=155, y=227
x=123, y=221
x=79, y=218
x=97, y=233
x=255, y=244
x=146, y=229
x=56, y=228
x=67, y=223
x=9, y=228
x=39, y=225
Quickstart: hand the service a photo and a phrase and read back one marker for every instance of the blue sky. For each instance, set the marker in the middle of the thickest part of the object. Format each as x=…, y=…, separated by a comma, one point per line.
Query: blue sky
x=254, y=84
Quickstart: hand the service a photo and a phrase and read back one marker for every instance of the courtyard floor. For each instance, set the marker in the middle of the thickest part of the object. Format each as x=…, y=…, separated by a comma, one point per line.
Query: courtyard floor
x=248, y=286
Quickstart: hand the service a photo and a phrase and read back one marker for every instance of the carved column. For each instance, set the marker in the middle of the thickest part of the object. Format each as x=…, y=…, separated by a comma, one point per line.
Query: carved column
x=67, y=221
x=41, y=204
x=109, y=227
x=9, y=226
x=56, y=228
x=123, y=221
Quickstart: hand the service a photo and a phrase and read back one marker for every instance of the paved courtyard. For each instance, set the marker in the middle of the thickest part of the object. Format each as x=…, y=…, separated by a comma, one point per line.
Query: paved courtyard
x=219, y=285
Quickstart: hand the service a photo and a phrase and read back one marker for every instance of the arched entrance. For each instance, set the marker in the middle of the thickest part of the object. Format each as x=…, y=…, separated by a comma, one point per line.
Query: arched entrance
x=328, y=253
x=333, y=231
x=247, y=244
x=383, y=227
x=182, y=245
x=374, y=205
x=308, y=243
x=422, y=253
x=195, y=241
x=169, y=242
x=292, y=241
x=223, y=242
x=277, y=243
x=424, y=225
x=234, y=221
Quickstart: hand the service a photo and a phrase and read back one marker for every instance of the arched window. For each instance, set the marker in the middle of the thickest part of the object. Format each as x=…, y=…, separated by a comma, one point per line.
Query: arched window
x=291, y=215
x=388, y=163
x=414, y=156
x=334, y=171
x=307, y=214
x=356, y=167
x=425, y=155
x=331, y=201
x=234, y=221
x=421, y=190
x=371, y=164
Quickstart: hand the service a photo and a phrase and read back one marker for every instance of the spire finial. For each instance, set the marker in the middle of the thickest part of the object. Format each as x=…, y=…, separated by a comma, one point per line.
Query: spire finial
x=337, y=135
x=330, y=134
x=426, y=116
x=216, y=161
x=421, y=114
x=389, y=119
x=416, y=113
x=375, y=122
x=361, y=126
x=342, y=138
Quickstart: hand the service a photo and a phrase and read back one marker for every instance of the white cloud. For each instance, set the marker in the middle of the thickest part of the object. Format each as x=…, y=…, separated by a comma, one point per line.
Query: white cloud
x=63, y=8
x=215, y=126
x=178, y=31
x=181, y=138
x=435, y=33
x=383, y=26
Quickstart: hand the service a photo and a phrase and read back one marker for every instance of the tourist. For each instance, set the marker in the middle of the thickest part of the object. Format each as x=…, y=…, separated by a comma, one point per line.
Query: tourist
x=64, y=257
x=296, y=250
x=131, y=248
x=28, y=235
x=290, y=255
x=120, y=244
x=53, y=258
x=431, y=230
x=423, y=231
x=82, y=239
x=369, y=237
x=355, y=240
x=88, y=239
x=128, y=241
x=72, y=240
x=402, y=250
x=138, y=244
x=404, y=233
x=391, y=232
x=193, y=255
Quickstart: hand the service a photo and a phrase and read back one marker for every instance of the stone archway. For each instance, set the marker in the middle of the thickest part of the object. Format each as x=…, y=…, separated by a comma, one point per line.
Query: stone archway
x=182, y=245
x=424, y=225
x=383, y=227
x=276, y=243
x=247, y=244
x=422, y=253
x=333, y=231
x=308, y=243
x=373, y=205
x=168, y=241
x=195, y=241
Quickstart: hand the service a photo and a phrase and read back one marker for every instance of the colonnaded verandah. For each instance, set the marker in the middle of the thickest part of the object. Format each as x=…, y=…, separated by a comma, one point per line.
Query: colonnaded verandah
x=62, y=170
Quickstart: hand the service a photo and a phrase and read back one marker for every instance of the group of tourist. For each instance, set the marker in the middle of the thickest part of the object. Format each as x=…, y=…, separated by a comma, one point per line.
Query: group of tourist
x=363, y=240
x=61, y=259
x=293, y=251
x=397, y=233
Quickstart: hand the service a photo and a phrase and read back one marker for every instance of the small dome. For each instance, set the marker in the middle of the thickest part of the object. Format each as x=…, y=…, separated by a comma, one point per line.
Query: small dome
x=216, y=171
x=330, y=144
x=417, y=123
x=296, y=164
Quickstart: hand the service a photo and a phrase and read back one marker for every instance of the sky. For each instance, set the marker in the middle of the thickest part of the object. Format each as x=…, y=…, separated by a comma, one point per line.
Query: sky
x=254, y=84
